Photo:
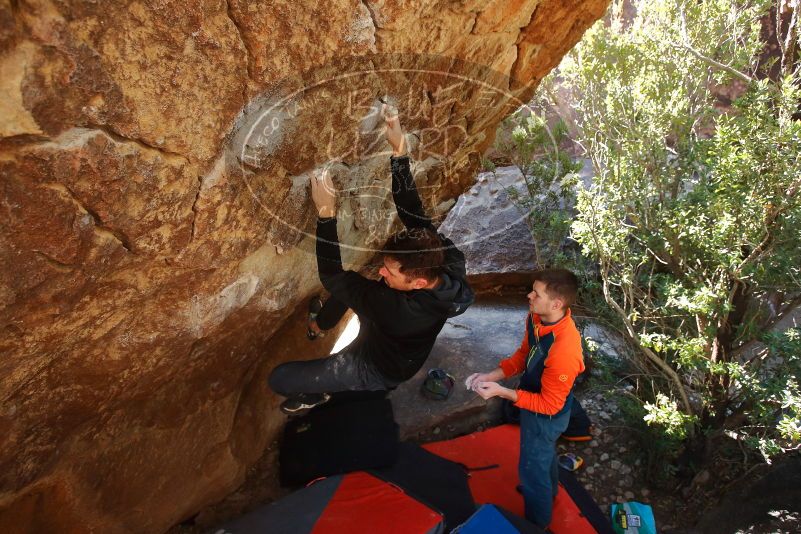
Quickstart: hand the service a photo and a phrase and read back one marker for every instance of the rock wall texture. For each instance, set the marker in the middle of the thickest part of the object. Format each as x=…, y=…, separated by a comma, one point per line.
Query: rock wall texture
x=154, y=219
x=492, y=231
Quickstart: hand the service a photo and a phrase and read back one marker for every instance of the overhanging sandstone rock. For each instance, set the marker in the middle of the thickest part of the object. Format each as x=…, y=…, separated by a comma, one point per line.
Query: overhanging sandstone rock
x=155, y=223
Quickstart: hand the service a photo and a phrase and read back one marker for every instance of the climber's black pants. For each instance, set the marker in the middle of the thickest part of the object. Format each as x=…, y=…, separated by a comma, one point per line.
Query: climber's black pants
x=346, y=370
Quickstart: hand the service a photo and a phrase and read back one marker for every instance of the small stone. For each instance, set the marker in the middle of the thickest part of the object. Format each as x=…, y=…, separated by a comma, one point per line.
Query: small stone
x=625, y=470
x=615, y=464
x=587, y=451
x=637, y=462
x=702, y=477
x=594, y=444
x=436, y=430
x=621, y=450
x=590, y=470
x=629, y=495
x=604, y=457
x=644, y=492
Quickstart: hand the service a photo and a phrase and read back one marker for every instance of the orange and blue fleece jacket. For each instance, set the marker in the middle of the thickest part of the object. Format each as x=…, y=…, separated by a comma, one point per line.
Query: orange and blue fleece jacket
x=550, y=359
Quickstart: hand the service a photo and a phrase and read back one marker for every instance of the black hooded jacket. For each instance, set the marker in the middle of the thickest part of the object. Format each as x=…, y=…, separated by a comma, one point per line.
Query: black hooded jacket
x=398, y=328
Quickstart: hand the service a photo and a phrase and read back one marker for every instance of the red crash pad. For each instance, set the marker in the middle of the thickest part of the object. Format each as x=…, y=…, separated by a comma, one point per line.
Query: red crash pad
x=501, y=445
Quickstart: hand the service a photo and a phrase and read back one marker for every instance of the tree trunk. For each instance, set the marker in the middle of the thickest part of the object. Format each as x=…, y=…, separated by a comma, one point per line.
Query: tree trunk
x=714, y=414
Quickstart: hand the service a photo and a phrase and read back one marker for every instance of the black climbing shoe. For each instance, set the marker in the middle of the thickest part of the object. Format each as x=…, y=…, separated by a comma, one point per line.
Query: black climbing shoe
x=315, y=305
x=303, y=402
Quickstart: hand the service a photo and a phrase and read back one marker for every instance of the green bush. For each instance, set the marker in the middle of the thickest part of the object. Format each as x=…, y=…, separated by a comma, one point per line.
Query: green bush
x=549, y=175
x=693, y=215
x=693, y=218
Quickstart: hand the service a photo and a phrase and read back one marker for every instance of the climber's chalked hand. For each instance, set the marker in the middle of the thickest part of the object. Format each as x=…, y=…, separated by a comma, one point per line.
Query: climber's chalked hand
x=394, y=132
x=323, y=193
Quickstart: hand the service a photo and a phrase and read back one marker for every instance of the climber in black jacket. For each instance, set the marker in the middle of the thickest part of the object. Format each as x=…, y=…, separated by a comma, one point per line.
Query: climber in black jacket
x=423, y=283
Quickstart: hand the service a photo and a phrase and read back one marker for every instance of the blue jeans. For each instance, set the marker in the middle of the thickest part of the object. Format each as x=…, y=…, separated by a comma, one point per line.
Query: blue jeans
x=538, y=467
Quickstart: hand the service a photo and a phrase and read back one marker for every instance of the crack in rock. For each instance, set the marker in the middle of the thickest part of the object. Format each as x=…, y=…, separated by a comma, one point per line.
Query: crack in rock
x=120, y=138
x=248, y=53
x=100, y=226
x=58, y=265
x=373, y=15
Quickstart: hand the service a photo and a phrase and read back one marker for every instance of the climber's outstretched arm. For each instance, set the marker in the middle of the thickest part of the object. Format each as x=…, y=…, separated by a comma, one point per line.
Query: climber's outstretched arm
x=404, y=191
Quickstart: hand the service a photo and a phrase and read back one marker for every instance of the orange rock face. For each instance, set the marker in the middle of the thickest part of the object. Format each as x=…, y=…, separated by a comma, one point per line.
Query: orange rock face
x=155, y=225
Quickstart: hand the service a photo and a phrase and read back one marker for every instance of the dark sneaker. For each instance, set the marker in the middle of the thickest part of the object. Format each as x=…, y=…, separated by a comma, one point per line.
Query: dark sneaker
x=315, y=305
x=303, y=402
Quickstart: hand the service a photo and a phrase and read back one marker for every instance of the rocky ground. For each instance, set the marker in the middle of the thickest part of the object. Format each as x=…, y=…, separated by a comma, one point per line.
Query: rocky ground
x=613, y=470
